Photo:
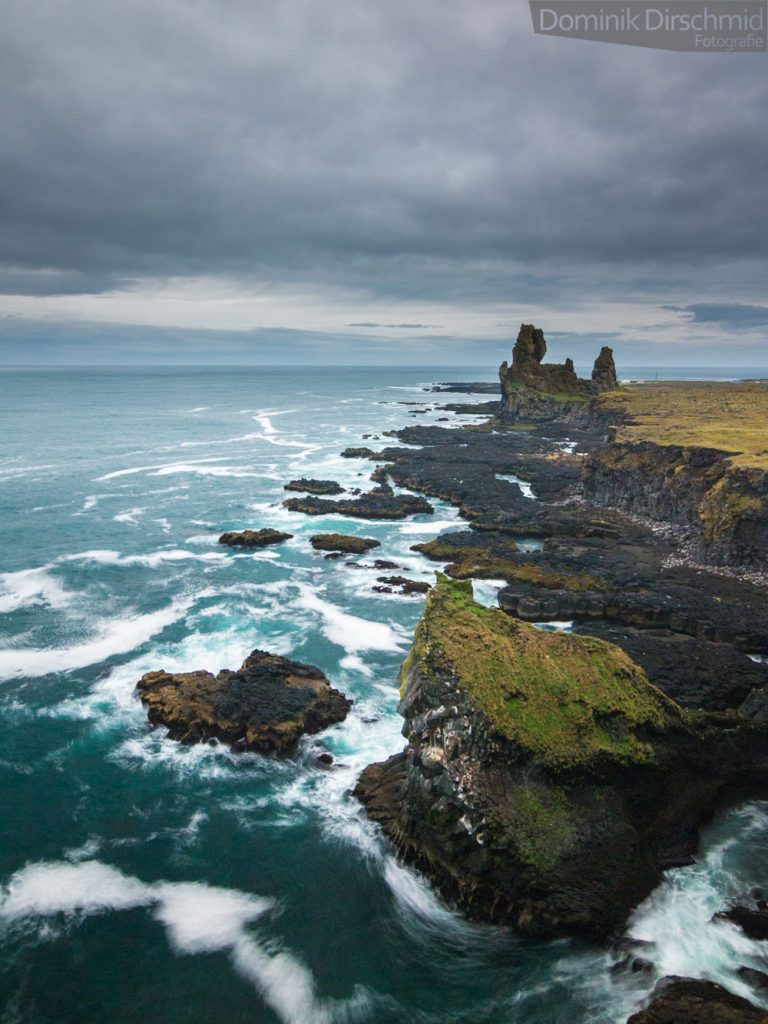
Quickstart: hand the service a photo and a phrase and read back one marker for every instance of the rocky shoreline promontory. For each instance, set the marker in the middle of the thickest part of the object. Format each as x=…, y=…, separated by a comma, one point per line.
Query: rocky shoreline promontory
x=549, y=778
x=564, y=748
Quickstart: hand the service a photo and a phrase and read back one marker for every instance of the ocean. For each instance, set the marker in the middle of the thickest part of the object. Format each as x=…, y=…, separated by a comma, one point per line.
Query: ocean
x=143, y=880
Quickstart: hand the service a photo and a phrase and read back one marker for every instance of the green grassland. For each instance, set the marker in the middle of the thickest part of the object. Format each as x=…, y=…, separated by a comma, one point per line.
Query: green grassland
x=732, y=417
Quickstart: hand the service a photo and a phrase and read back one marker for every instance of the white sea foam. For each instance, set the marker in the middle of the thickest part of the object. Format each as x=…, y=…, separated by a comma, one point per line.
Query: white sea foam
x=60, y=887
x=204, y=470
x=150, y=561
x=350, y=631
x=30, y=587
x=130, y=516
x=133, y=470
x=434, y=526
x=111, y=637
x=524, y=485
x=487, y=592
x=198, y=918
x=678, y=916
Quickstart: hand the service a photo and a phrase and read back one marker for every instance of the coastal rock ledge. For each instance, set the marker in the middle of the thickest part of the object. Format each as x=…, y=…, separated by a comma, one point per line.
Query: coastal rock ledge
x=546, y=783
x=265, y=706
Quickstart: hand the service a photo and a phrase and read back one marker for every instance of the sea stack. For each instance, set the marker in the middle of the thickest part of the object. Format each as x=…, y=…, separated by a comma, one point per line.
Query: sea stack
x=532, y=389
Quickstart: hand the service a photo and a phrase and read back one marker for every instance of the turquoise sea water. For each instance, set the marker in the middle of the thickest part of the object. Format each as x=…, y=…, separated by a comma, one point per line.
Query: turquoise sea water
x=147, y=881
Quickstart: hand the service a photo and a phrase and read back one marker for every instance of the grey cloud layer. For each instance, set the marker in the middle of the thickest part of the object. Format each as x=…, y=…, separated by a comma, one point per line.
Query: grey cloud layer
x=421, y=150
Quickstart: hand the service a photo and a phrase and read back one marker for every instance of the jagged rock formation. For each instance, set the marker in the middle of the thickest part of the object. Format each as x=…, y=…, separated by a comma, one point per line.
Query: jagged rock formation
x=546, y=783
x=534, y=390
x=380, y=503
x=692, y=1001
x=265, y=706
x=309, y=485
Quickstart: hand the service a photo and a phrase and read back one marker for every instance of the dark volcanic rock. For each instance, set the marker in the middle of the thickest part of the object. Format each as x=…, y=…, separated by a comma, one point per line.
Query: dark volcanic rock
x=342, y=543
x=753, y=923
x=546, y=784
x=358, y=453
x=701, y=604
x=478, y=387
x=379, y=503
x=311, y=486
x=533, y=390
x=253, y=538
x=689, y=1001
x=401, y=585
x=265, y=706
x=757, y=979
x=695, y=673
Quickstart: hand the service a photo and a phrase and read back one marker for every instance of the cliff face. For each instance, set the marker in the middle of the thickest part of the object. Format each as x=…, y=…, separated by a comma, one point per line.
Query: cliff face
x=724, y=505
x=532, y=389
x=545, y=782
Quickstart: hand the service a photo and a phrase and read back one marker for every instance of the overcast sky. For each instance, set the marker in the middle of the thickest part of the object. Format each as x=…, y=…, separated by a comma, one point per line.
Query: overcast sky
x=371, y=180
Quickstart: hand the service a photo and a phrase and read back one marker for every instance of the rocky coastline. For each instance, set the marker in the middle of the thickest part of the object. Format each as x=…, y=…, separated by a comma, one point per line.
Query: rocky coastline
x=570, y=845
x=550, y=775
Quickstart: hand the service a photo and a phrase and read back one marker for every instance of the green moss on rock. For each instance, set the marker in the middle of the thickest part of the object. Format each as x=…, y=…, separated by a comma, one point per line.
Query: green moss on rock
x=566, y=700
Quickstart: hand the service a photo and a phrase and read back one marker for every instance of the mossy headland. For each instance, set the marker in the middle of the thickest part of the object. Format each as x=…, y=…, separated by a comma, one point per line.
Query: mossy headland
x=550, y=776
x=546, y=781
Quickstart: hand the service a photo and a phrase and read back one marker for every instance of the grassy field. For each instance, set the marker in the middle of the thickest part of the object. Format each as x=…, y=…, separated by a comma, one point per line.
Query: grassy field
x=732, y=417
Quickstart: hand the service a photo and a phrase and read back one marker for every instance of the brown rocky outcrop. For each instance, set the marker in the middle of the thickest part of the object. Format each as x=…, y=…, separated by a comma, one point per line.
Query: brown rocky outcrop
x=265, y=706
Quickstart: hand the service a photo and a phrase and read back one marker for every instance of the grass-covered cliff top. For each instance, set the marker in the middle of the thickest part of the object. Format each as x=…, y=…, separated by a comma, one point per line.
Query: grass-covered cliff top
x=567, y=700
x=732, y=417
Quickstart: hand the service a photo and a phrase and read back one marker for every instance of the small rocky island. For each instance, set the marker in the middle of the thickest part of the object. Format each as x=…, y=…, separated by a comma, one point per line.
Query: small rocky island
x=265, y=706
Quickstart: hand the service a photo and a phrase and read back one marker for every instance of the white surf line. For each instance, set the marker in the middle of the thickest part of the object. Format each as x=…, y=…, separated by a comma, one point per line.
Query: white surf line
x=157, y=465
x=114, y=636
x=31, y=587
x=197, y=918
x=677, y=918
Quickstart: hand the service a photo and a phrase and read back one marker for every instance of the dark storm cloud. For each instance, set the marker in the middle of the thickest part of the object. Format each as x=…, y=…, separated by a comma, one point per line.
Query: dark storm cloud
x=424, y=150
x=732, y=316
x=400, y=327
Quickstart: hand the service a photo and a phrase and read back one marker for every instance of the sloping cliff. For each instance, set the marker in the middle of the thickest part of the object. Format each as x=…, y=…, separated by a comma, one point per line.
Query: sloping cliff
x=546, y=783
x=695, y=454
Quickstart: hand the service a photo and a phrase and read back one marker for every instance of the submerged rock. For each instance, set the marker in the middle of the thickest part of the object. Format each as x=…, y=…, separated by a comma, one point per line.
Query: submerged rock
x=253, y=538
x=691, y=1001
x=265, y=706
x=312, y=486
x=342, y=543
x=546, y=783
x=401, y=585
